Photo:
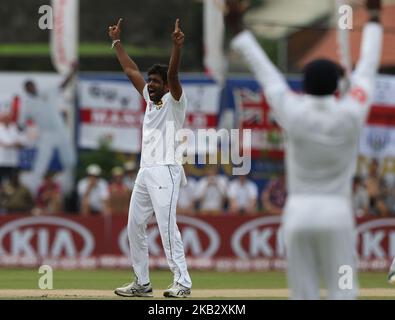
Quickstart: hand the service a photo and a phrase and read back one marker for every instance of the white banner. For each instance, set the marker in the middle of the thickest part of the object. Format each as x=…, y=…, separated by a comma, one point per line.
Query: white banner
x=385, y=91
x=378, y=142
x=110, y=110
x=378, y=136
x=12, y=87
x=114, y=110
x=64, y=35
x=203, y=98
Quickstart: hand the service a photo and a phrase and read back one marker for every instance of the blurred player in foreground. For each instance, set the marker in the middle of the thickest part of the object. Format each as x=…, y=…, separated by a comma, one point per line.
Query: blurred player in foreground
x=391, y=275
x=322, y=134
x=160, y=176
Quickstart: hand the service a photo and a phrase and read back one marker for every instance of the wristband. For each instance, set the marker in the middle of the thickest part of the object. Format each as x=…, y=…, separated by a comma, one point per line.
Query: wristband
x=114, y=42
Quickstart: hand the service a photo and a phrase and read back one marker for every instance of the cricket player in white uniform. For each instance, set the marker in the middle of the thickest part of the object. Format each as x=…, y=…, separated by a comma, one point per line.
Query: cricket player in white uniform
x=41, y=106
x=322, y=134
x=161, y=174
x=391, y=274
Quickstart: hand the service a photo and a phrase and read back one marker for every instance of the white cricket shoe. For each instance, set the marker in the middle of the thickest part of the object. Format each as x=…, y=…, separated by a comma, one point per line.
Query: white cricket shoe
x=391, y=277
x=135, y=290
x=177, y=290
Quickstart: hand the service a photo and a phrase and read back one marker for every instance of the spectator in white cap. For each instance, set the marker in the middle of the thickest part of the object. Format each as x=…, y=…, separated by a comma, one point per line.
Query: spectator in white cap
x=243, y=196
x=119, y=193
x=93, y=192
x=211, y=192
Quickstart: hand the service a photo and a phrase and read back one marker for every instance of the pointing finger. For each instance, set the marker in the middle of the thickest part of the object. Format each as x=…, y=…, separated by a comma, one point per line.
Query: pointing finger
x=177, y=25
x=119, y=23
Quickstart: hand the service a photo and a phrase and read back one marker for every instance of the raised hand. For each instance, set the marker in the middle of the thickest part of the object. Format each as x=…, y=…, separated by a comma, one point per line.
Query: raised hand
x=74, y=65
x=373, y=4
x=114, y=32
x=374, y=9
x=238, y=7
x=178, y=36
x=234, y=12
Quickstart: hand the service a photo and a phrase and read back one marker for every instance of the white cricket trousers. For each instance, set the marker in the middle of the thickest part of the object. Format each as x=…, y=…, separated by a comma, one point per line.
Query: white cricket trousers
x=48, y=141
x=392, y=268
x=319, y=235
x=156, y=190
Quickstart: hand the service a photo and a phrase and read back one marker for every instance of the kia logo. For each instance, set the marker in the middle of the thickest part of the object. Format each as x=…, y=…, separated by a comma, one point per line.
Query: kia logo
x=199, y=238
x=45, y=236
x=260, y=237
x=377, y=238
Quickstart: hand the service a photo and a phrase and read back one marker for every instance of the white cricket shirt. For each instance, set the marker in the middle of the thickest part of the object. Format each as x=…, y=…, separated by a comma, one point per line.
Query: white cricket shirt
x=322, y=133
x=43, y=109
x=160, y=126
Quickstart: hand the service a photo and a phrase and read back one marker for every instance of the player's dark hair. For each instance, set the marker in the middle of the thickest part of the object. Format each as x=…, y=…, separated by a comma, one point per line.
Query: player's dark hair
x=159, y=69
x=28, y=82
x=321, y=77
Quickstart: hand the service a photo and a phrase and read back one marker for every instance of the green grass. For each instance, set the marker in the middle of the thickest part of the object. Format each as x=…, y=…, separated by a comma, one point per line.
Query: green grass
x=86, y=49
x=108, y=279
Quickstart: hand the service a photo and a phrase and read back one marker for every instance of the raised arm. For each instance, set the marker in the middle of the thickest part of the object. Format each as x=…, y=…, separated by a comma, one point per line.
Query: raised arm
x=248, y=47
x=70, y=76
x=371, y=47
x=359, y=99
x=128, y=65
x=174, y=65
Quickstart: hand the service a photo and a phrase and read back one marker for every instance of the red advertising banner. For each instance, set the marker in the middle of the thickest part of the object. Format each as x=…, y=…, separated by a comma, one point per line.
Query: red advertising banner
x=222, y=243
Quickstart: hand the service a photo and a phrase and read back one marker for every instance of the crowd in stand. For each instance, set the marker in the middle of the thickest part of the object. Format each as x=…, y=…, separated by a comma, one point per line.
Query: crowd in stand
x=212, y=194
x=374, y=194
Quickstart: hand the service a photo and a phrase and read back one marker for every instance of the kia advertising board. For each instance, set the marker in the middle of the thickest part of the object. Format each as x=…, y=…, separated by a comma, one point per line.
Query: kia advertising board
x=222, y=242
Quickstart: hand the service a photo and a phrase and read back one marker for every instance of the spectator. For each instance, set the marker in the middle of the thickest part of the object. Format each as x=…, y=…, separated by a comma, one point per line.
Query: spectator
x=243, y=195
x=375, y=187
x=360, y=198
x=119, y=193
x=187, y=196
x=274, y=195
x=130, y=174
x=390, y=200
x=15, y=197
x=93, y=192
x=10, y=142
x=211, y=192
x=49, y=196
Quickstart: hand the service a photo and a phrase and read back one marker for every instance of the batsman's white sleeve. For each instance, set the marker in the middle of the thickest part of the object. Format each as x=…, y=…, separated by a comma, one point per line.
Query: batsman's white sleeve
x=370, y=56
x=258, y=62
